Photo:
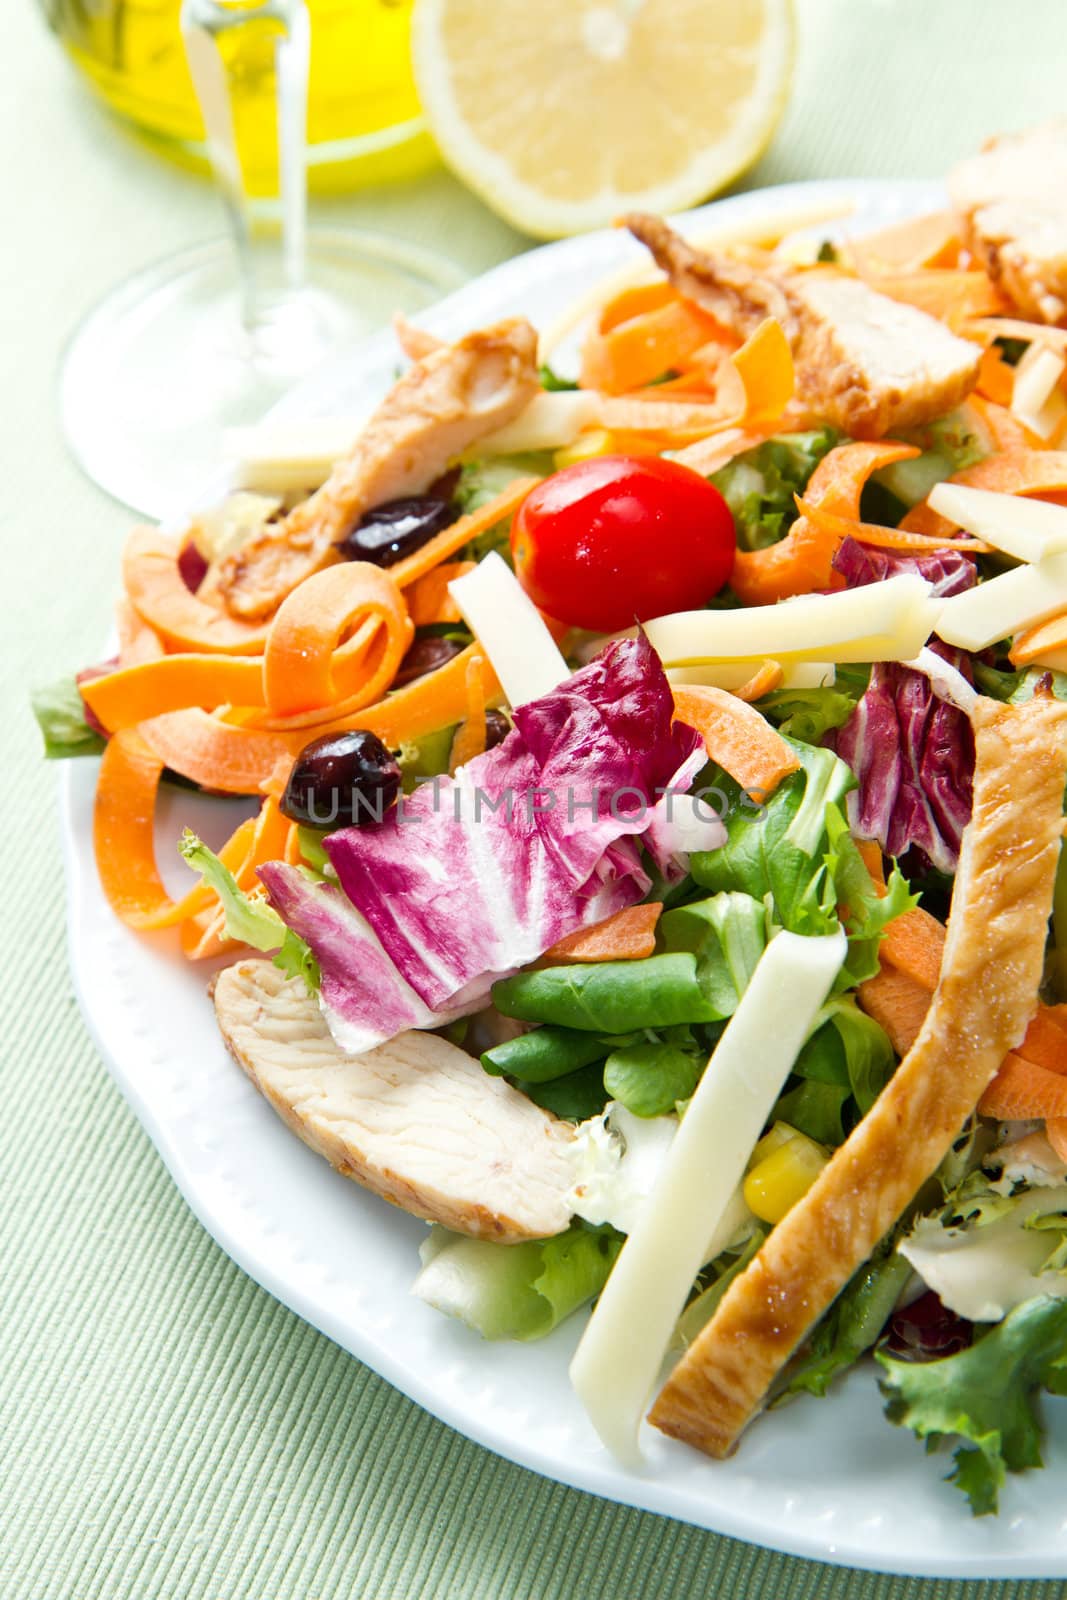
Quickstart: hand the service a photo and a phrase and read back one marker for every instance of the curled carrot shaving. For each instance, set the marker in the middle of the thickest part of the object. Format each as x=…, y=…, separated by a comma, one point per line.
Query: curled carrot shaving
x=132, y=694
x=764, y=681
x=803, y=561
x=884, y=538
x=124, y=838
x=996, y=424
x=158, y=593
x=996, y=380
x=470, y=736
x=955, y=296
x=338, y=637
x=635, y=302
x=707, y=455
x=445, y=544
x=237, y=759
x=137, y=641
x=627, y=352
x=628, y=935
x=428, y=597
x=1030, y=472
x=1023, y=1089
x=737, y=737
x=764, y=364
x=929, y=241
x=1042, y=642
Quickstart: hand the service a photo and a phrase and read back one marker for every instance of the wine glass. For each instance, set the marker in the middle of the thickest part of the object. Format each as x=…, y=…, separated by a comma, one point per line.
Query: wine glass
x=210, y=338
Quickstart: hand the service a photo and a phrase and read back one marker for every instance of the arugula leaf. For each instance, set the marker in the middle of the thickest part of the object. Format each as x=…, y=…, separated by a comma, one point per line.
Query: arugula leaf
x=515, y=1291
x=852, y=1325
x=985, y=1395
x=759, y=485
x=250, y=919
x=650, y=1079
x=60, y=712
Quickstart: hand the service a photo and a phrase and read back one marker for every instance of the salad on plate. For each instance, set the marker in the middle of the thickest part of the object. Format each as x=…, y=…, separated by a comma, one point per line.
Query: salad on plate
x=656, y=736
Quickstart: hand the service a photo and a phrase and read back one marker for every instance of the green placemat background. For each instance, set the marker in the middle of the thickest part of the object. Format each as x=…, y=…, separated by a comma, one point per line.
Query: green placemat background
x=166, y=1429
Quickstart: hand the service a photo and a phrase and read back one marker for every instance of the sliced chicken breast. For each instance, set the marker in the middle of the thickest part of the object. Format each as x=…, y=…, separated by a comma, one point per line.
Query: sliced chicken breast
x=416, y=1121
x=1012, y=202
x=867, y=364
x=452, y=397
x=986, y=996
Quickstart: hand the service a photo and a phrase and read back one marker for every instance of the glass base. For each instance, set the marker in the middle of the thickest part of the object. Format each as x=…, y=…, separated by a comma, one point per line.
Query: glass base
x=164, y=364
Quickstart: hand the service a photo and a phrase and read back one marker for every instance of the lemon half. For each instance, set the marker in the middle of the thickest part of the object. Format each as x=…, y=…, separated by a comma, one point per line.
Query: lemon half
x=563, y=113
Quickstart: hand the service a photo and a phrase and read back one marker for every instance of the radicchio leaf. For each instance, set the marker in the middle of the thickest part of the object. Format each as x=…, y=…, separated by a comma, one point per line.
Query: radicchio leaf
x=912, y=752
x=475, y=875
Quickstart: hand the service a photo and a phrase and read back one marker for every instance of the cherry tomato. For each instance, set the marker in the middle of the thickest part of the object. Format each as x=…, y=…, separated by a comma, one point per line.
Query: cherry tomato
x=618, y=539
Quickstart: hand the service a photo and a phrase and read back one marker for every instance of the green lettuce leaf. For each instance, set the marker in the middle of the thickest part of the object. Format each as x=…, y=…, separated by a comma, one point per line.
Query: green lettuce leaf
x=852, y=1325
x=515, y=1291
x=722, y=1272
x=727, y=933
x=60, y=712
x=809, y=714
x=650, y=1079
x=838, y=1075
x=248, y=917
x=948, y=446
x=985, y=1396
x=552, y=382
x=482, y=481
x=867, y=913
x=759, y=485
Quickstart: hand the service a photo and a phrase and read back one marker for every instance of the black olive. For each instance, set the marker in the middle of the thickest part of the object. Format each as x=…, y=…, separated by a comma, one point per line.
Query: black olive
x=397, y=528
x=424, y=656
x=497, y=728
x=342, y=780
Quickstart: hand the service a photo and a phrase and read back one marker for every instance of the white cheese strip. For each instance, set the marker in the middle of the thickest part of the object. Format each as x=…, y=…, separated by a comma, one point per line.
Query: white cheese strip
x=508, y=626
x=1036, y=398
x=619, y=1358
x=550, y=422
x=277, y=457
x=1027, y=529
x=730, y=675
x=997, y=609
x=888, y=621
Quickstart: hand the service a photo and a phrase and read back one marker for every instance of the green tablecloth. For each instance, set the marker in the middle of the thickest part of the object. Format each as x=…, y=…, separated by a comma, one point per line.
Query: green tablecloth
x=166, y=1429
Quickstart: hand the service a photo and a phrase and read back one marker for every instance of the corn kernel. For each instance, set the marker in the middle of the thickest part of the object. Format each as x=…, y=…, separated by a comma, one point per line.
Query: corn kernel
x=784, y=1176
x=594, y=442
x=772, y=1140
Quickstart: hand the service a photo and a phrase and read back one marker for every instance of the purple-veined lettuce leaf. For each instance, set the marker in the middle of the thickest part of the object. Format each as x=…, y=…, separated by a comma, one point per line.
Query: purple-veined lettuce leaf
x=475, y=875
x=912, y=752
x=913, y=757
x=948, y=571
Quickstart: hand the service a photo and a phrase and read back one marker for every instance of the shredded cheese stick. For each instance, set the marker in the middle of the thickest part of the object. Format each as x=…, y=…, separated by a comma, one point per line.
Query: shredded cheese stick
x=985, y=998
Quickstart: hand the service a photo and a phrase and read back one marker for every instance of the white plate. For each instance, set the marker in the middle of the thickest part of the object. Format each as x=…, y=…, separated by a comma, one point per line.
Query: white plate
x=829, y=1479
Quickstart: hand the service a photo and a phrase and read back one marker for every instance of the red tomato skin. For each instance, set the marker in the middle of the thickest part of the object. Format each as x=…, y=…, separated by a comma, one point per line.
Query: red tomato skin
x=617, y=539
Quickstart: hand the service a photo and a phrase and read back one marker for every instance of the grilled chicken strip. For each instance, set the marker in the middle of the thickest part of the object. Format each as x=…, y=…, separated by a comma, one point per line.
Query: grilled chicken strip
x=865, y=363
x=987, y=993
x=416, y=1121
x=1012, y=201
x=449, y=399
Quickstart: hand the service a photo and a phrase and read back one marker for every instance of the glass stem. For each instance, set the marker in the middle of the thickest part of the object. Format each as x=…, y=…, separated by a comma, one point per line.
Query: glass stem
x=235, y=48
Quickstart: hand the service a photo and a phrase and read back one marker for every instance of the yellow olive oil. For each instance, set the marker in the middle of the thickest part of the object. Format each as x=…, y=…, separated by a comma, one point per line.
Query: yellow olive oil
x=364, y=124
